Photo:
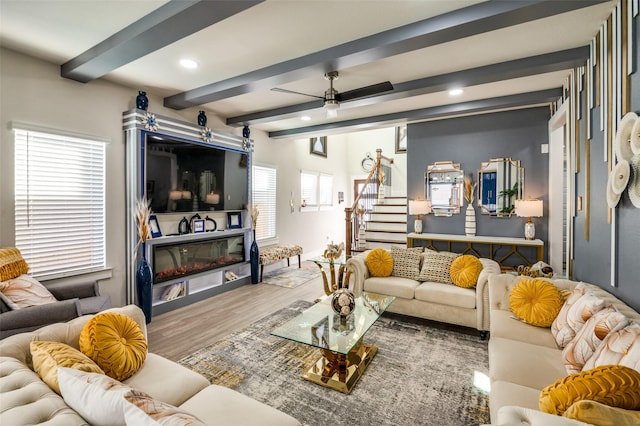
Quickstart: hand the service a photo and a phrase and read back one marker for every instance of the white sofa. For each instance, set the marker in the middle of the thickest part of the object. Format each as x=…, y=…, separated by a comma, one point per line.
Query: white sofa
x=524, y=359
x=25, y=399
x=430, y=300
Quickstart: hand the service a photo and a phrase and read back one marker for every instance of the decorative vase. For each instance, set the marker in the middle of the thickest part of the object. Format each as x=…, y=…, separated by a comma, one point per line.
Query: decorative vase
x=254, y=257
x=470, y=221
x=144, y=286
x=343, y=302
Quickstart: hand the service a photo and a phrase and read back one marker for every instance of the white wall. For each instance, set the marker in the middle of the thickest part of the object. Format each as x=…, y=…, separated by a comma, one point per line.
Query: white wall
x=32, y=91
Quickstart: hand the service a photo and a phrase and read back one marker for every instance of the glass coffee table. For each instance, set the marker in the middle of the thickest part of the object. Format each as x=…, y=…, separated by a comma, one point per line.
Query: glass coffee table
x=344, y=357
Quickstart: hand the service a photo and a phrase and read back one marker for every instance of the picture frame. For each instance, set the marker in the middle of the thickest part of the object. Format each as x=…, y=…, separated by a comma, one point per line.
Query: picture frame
x=401, y=139
x=318, y=146
x=154, y=226
x=234, y=220
x=198, y=226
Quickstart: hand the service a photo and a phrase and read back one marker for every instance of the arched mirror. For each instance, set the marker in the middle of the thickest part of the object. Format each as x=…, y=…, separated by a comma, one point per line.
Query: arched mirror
x=443, y=187
x=500, y=184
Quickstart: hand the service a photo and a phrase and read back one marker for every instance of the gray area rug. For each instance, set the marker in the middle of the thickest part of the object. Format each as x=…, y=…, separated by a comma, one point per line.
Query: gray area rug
x=291, y=276
x=423, y=374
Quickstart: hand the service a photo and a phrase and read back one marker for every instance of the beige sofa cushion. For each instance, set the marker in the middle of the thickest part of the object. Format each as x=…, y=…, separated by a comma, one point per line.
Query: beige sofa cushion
x=519, y=395
x=217, y=405
x=524, y=363
x=174, y=385
x=446, y=294
x=392, y=286
x=504, y=324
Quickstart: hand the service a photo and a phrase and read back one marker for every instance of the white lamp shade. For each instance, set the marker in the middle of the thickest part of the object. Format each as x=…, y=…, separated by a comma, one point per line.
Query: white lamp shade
x=212, y=198
x=419, y=207
x=529, y=208
x=175, y=195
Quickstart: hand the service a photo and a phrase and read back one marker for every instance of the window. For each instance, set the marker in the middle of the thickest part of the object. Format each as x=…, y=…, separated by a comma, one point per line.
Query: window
x=316, y=189
x=59, y=203
x=264, y=197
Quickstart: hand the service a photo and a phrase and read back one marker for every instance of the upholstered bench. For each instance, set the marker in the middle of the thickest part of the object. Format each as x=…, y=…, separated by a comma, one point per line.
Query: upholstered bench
x=269, y=255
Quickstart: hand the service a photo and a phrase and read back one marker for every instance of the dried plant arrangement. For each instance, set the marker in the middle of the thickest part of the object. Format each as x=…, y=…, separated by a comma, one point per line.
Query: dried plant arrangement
x=142, y=214
x=254, y=212
x=469, y=188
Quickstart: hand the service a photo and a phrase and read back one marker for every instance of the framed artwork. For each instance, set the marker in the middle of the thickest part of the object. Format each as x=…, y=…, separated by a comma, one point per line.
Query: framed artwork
x=318, y=145
x=401, y=139
x=234, y=220
x=198, y=226
x=155, y=226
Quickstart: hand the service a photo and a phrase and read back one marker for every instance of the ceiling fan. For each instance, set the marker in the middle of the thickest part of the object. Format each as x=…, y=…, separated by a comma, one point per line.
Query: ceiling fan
x=332, y=97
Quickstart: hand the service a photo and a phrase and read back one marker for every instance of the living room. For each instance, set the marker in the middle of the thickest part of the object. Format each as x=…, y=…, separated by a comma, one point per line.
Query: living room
x=602, y=242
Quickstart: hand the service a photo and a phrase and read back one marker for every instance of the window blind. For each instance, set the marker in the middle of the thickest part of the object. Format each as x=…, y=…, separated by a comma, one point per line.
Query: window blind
x=264, y=197
x=309, y=188
x=59, y=203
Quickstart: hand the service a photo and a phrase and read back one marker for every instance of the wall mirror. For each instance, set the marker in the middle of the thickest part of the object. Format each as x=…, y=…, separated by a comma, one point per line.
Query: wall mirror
x=500, y=184
x=443, y=186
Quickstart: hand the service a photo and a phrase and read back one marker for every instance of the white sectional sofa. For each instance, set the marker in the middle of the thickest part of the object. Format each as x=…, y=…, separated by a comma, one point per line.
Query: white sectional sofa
x=25, y=399
x=430, y=300
x=524, y=359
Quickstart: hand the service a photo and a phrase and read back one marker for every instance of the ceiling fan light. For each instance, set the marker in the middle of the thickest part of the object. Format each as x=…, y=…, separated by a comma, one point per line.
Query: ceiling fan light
x=331, y=105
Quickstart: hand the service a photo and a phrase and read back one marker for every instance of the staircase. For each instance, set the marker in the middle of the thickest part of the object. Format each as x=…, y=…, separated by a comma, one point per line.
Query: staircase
x=387, y=224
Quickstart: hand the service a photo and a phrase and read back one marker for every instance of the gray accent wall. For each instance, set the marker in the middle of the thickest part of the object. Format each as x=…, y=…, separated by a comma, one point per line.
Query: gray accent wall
x=592, y=258
x=470, y=141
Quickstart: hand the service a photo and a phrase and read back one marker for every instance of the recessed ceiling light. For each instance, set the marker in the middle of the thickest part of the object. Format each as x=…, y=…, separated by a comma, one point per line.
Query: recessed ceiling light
x=455, y=92
x=188, y=63
x=305, y=118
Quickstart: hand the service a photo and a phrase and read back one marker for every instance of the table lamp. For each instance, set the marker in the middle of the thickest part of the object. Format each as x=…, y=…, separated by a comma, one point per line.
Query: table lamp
x=529, y=208
x=418, y=208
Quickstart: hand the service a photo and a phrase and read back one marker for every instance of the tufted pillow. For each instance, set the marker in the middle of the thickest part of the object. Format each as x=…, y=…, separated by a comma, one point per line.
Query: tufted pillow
x=536, y=302
x=406, y=262
x=436, y=266
x=115, y=342
x=12, y=263
x=613, y=385
x=379, y=262
x=595, y=413
x=142, y=410
x=619, y=347
x=590, y=336
x=49, y=356
x=25, y=291
x=465, y=271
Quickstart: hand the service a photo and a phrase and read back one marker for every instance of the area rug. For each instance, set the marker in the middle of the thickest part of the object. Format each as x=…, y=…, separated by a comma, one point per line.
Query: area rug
x=423, y=374
x=291, y=276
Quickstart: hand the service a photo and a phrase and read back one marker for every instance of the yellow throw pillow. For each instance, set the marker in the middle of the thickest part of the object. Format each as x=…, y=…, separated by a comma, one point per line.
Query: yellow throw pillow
x=12, y=263
x=612, y=385
x=465, y=271
x=379, y=262
x=536, y=302
x=115, y=342
x=595, y=413
x=48, y=356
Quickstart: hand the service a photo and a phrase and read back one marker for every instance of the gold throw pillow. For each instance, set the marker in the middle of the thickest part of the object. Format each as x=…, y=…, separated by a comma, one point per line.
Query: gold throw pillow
x=535, y=301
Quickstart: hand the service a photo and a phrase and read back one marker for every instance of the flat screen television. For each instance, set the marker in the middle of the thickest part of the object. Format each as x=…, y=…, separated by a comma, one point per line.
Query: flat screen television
x=187, y=176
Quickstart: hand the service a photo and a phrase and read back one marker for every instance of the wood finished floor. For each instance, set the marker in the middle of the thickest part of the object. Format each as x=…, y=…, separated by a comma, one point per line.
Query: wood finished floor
x=178, y=333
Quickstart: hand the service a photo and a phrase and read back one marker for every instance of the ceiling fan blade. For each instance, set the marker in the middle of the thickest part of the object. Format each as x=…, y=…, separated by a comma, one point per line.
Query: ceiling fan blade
x=277, y=89
x=363, y=92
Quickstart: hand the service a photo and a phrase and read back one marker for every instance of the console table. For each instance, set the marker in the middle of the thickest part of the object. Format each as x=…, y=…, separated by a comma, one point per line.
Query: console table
x=471, y=243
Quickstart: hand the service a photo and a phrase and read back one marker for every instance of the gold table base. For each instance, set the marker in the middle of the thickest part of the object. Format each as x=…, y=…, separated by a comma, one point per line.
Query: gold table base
x=341, y=372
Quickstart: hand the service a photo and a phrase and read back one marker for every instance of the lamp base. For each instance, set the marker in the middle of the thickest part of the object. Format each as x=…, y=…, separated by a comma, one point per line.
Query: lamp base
x=417, y=226
x=529, y=230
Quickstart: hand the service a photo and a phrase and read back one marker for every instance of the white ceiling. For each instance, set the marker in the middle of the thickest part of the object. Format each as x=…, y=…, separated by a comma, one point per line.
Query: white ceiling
x=280, y=30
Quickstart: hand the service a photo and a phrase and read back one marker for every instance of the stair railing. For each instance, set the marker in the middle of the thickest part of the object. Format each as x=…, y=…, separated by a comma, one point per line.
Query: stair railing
x=363, y=203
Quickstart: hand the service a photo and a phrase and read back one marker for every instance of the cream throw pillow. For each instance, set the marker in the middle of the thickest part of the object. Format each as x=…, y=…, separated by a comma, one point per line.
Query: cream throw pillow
x=590, y=336
x=142, y=410
x=560, y=323
x=25, y=291
x=578, y=313
x=619, y=347
x=406, y=262
x=436, y=266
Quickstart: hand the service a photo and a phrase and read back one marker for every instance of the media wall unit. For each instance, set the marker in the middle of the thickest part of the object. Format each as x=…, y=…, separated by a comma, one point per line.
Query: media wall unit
x=189, y=174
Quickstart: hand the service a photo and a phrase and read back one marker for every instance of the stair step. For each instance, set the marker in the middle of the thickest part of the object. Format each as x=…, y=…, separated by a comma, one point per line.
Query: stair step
x=388, y=217
x=373, y=225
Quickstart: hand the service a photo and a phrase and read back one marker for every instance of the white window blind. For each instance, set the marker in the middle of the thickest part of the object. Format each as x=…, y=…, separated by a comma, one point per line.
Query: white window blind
x=309, y=188
x=59, y=203
x=264, y=197
x=326, y=190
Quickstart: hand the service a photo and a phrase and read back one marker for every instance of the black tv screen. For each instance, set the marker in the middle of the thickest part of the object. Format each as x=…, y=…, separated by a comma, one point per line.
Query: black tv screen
x=185, y=176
